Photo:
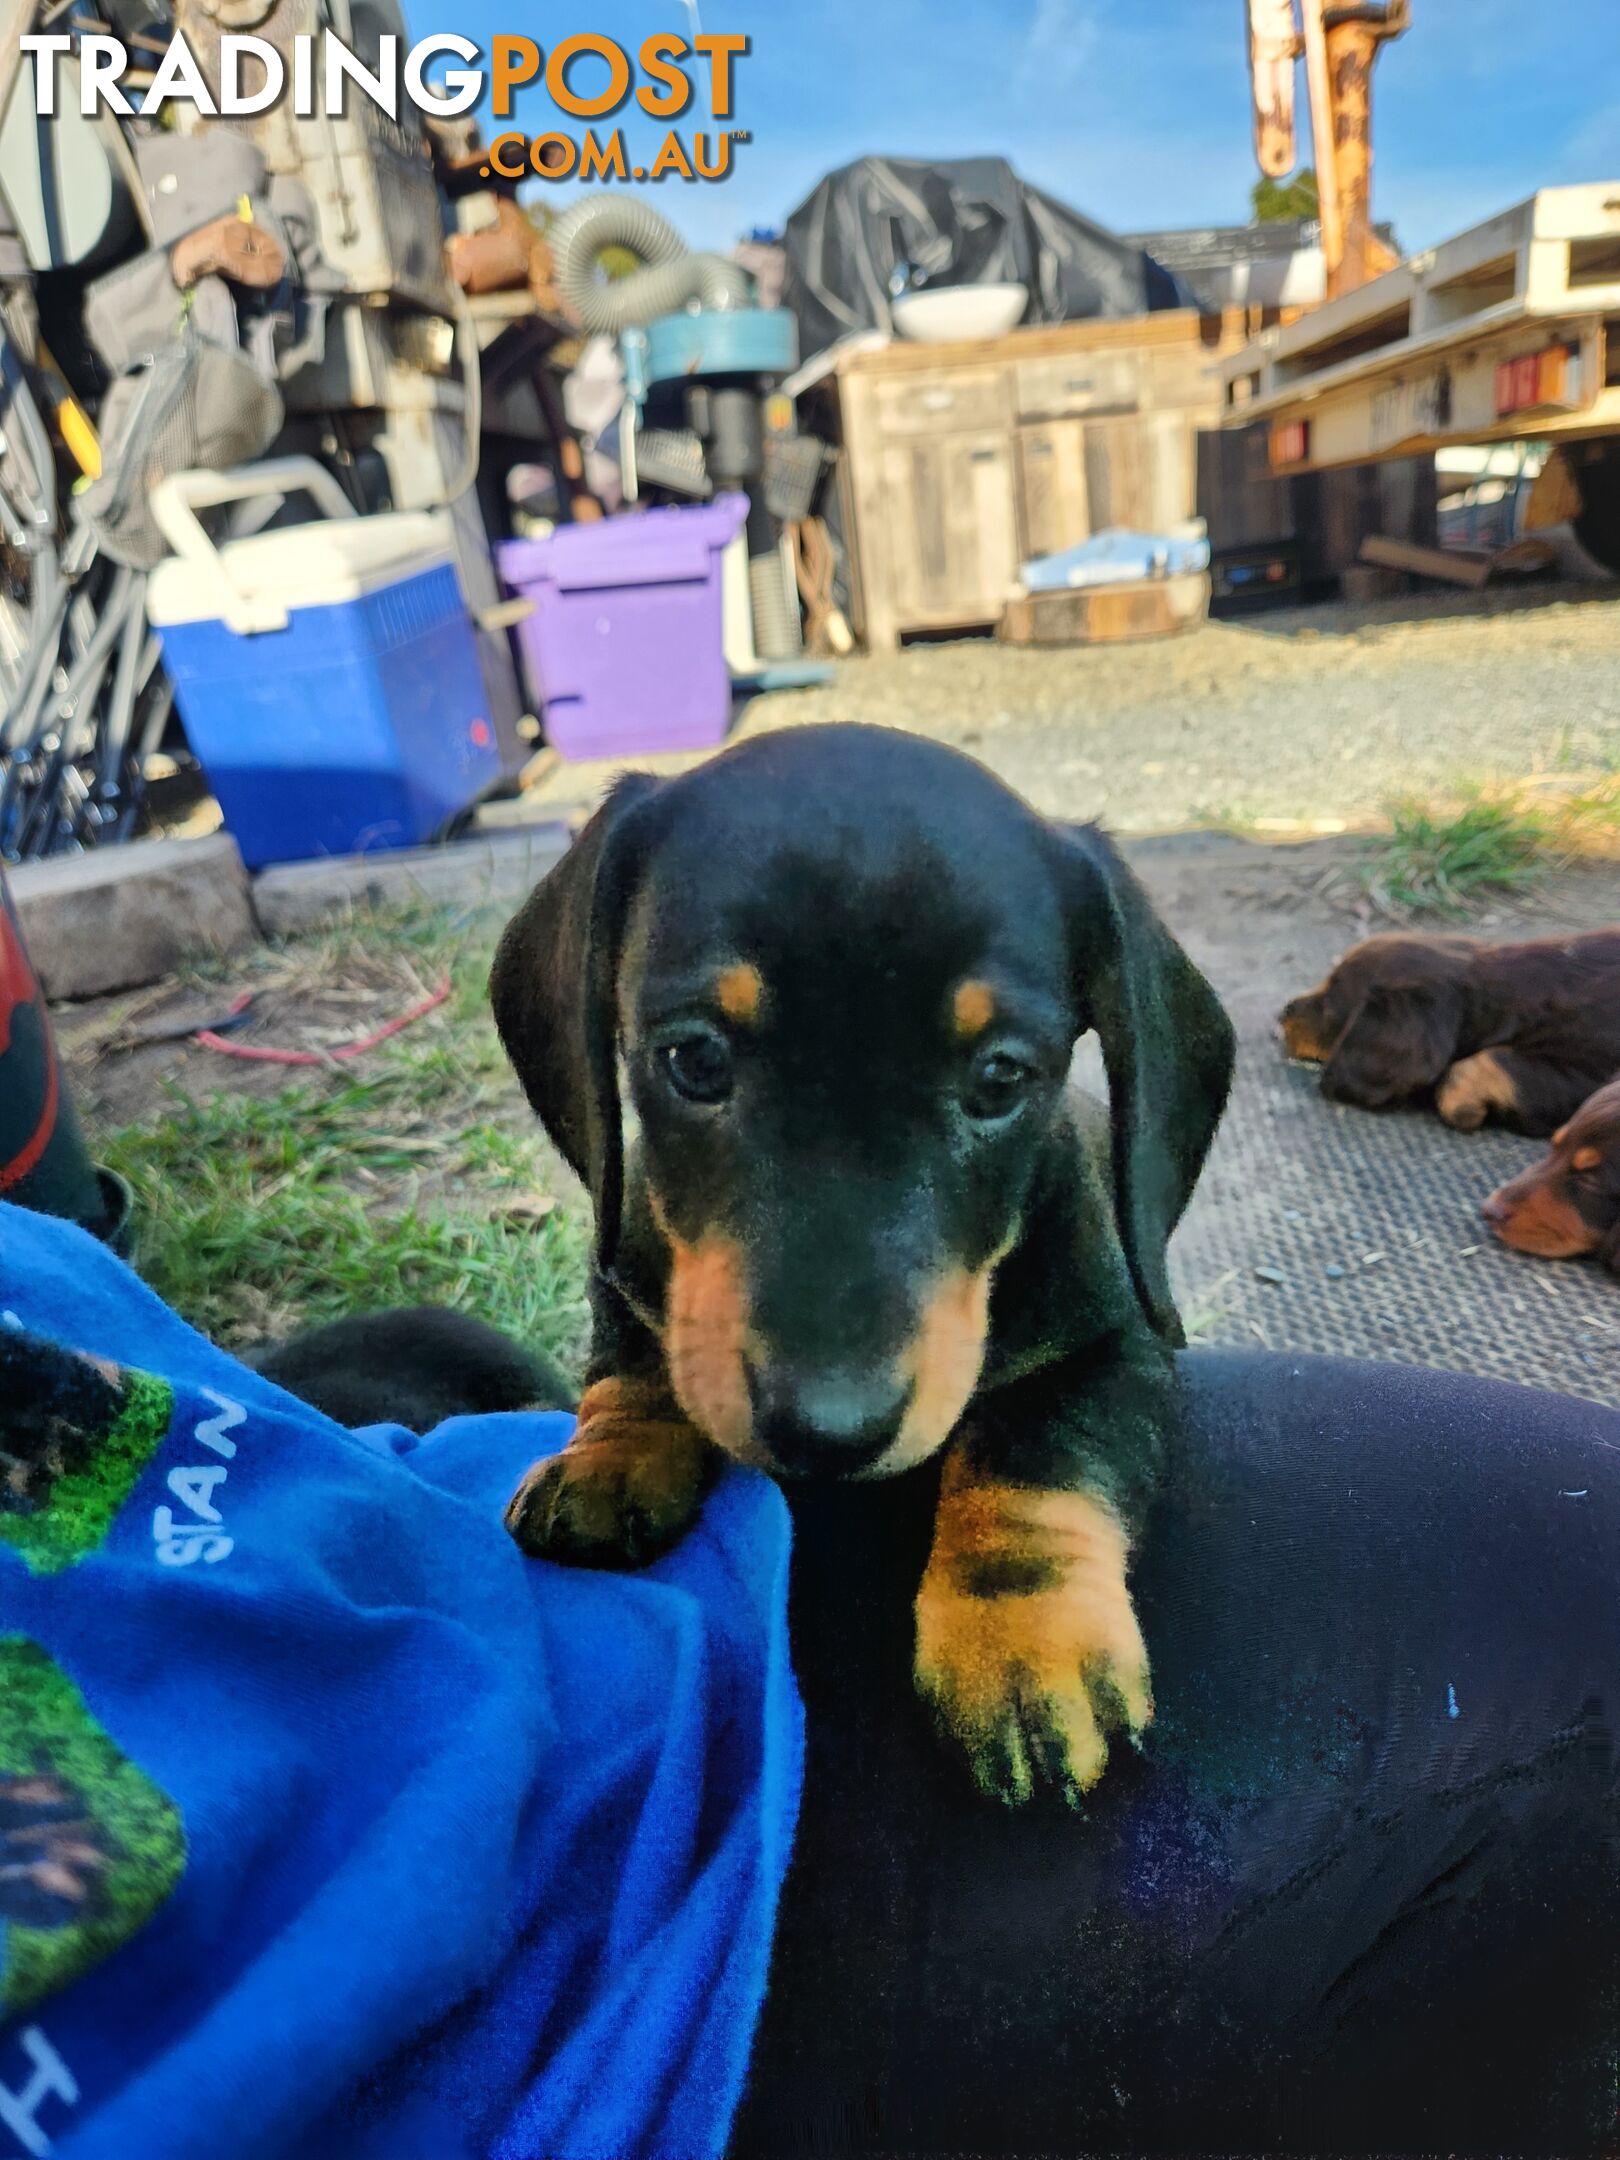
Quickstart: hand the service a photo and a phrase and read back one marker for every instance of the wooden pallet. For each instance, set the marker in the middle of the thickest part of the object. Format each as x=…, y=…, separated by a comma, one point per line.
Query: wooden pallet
x=1499, y=334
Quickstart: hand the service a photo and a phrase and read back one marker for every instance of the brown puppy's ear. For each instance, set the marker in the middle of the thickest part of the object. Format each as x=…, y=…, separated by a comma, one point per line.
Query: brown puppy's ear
x=1402, y=1038
x=1168, y=1048
x=554, y=989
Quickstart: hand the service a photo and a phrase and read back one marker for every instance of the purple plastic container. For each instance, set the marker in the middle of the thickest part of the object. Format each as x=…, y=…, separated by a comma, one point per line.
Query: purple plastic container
x=625, y=649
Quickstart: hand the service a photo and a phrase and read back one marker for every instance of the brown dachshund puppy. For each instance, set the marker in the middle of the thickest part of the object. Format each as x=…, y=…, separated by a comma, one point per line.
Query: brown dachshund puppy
x=838, y=975
x=1522, y=1033
x=1568, y=1204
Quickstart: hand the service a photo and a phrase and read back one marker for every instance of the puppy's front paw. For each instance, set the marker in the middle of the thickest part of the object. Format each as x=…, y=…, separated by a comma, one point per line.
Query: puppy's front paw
x=1028, y=1651
x=1472, y=1089
x=627, y=1486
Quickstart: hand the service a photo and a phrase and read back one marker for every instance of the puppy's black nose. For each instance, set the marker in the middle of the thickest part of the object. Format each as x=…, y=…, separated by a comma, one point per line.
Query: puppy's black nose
x=1494, y=1208
x=826, y=1424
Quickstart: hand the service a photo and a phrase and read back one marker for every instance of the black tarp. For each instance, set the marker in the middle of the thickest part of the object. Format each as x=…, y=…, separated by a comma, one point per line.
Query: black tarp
x=967, y=221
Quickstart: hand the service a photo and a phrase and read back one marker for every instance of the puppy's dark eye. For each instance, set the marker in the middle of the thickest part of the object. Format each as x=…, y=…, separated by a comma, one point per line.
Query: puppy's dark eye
x=996, y=1087
x=699, y=1066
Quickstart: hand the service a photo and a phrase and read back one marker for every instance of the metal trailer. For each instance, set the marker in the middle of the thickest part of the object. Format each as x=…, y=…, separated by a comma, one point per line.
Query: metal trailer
x=1508, y=333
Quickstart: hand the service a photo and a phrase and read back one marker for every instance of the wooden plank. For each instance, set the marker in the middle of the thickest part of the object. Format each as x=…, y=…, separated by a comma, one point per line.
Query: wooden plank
x=1122, y=613
x=986, y=524
x=1052, y=502
x=1108, y=614
x=1114, y=473
x=866, y=531
x=1447, y=566
x=1214, y=335
x=1170, y=488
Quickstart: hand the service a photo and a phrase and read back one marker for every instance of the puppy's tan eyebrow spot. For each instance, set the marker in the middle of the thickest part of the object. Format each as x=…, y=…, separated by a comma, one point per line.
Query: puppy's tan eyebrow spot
x=740, y=991
x=1586, y=1158
x=972, y=1009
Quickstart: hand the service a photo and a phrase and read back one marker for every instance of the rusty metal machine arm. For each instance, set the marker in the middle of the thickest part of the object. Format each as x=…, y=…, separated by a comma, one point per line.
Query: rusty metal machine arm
x=1340, y=41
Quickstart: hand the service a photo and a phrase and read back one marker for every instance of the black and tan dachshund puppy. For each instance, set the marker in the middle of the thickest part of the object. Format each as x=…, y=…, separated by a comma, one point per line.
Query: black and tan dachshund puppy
x=839, y=973
x=1521, y=1033
x=1567, y=1206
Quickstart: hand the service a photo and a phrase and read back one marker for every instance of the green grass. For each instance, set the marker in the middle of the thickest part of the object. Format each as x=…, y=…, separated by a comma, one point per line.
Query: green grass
x=1589, y=820
x=416, y=1175
x=1444, y=862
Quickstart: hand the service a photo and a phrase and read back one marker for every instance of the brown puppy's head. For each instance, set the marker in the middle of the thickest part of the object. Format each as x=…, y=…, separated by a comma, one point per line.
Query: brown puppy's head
x=1387, y=1022
x=1568, y=1204
x=837, y=975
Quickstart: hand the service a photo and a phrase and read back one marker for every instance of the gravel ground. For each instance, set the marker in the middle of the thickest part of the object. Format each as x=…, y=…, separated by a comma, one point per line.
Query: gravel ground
x=1311, y=717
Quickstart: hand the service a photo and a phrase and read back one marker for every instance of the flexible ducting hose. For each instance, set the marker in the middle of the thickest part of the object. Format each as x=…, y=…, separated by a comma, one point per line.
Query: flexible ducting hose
x=776, y=611
x=672, y=275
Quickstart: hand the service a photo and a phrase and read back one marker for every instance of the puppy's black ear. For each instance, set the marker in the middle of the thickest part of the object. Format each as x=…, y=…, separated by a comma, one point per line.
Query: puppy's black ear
x=1402, y=1039
x=554, y=989
x=1168, y=1047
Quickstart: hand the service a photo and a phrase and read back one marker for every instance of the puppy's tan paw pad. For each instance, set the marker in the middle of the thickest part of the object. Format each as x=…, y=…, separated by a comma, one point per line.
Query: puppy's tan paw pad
x=1028, y=1649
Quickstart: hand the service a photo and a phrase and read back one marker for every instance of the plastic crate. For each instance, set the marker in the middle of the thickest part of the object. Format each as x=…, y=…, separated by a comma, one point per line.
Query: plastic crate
x=624, y=647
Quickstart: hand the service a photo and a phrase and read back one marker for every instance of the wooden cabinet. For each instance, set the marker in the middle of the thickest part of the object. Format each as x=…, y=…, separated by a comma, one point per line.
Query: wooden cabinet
x=962, y=461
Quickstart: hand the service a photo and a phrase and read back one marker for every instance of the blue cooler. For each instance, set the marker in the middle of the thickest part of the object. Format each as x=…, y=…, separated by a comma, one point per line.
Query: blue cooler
x=326, y=673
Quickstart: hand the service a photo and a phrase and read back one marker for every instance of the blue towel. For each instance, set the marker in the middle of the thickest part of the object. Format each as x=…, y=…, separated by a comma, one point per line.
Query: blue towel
x=329, y=1825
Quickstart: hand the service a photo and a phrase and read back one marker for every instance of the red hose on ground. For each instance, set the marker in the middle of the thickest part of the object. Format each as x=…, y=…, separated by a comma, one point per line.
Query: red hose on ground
x=257, y=1056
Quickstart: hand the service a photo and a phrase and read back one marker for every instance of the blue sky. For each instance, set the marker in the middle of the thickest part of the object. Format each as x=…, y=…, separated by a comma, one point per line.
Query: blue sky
x=1135, y=111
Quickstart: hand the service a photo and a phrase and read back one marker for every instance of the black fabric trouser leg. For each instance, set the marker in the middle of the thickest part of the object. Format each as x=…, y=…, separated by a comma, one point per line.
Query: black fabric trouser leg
x=1359, y=1894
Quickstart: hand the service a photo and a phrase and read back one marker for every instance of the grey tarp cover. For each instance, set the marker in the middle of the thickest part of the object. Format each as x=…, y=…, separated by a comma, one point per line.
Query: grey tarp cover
x=967, y=221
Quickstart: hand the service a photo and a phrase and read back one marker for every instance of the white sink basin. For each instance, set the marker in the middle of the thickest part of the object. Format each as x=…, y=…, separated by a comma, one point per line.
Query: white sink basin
x=958, y=312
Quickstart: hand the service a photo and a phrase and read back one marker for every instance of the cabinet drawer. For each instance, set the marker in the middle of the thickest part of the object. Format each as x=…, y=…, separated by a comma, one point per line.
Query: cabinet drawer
x=943, y=403
x=1082, y=382
x=1180, y=376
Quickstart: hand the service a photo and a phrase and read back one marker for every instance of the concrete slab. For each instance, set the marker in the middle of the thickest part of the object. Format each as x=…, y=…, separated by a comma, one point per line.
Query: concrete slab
x=489, y=869
x=120, y=917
